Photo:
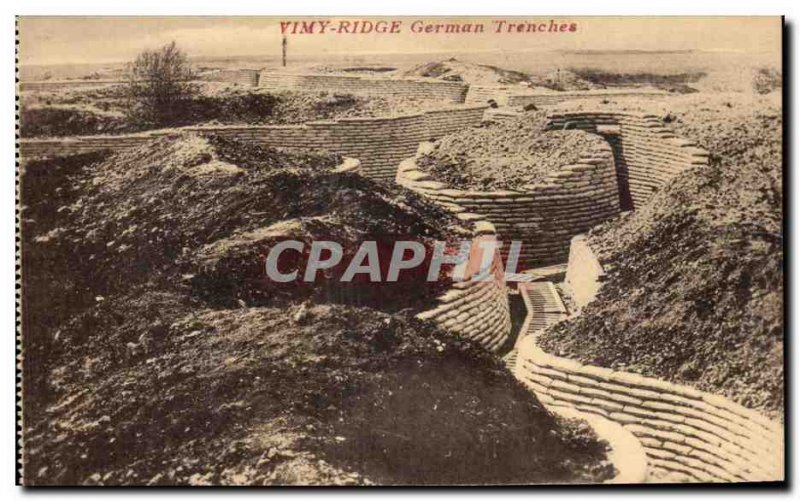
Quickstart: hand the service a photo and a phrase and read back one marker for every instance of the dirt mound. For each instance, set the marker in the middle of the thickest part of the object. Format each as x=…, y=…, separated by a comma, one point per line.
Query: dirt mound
x=104, y=111
x=133, y=375
x=265, y=395
x=66, y=120
x=487, y=75
x=506, y=155
x=297, y=107
x=564, y=80
x=681, y=83
x=474, y=74
x=300, y=107
x=694, y=292
x=181, y=194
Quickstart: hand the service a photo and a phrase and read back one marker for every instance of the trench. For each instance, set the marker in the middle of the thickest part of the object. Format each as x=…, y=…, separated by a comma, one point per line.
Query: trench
x=623, y=174
x=686, y=435
x=544, y=307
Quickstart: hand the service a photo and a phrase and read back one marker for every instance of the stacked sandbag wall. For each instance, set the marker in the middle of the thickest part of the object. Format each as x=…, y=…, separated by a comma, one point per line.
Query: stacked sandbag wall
x=477, y=307
x=379, y=143
x=696, y=435
x=433, y=90
x=647, y=154
x=585, y=273
x=515, y=96
x=245, y=77
x=544, y=216
x=686, y=433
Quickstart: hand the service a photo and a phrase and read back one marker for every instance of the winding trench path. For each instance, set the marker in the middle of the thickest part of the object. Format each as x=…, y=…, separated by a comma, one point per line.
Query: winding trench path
x=545, y=307
x=686, y=435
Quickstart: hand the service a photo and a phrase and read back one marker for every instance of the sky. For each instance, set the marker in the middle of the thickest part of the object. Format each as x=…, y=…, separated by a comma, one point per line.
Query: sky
x=55, y=40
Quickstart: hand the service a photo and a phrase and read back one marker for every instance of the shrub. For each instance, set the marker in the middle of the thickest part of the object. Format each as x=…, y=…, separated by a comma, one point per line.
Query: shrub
x=159, y=87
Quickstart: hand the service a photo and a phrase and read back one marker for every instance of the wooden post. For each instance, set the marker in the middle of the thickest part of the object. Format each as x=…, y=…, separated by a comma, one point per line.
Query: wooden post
x=284, y=50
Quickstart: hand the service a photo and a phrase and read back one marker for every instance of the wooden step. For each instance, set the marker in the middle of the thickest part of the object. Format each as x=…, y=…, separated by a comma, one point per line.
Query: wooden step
x=544, y=305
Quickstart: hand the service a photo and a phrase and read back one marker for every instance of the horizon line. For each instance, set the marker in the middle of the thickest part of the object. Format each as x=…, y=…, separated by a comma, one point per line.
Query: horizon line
x=196, y=58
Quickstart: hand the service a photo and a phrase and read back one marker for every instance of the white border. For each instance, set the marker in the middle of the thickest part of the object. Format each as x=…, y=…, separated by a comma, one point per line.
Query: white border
x=322, y=7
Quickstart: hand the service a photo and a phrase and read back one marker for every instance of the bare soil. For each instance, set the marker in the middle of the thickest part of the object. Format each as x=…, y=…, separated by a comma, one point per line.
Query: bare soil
x=71, y=112
x=454, y=70
x=142, y=368
x=509, y=154
x=694, y=292
x=681, y=83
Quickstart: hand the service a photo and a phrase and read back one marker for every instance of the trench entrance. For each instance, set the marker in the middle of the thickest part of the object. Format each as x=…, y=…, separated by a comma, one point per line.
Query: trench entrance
x=612, y=135
x=518, y=312
x=540, y=305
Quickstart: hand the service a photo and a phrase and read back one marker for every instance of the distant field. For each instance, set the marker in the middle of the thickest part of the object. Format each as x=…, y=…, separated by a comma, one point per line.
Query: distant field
x=539, y=62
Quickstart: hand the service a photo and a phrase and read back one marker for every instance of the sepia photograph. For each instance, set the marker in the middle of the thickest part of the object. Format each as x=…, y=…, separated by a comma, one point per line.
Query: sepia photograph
x=400, y=251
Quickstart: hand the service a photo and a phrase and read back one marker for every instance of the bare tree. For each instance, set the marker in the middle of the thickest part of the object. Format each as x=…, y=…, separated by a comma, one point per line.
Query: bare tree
x=159, y=85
